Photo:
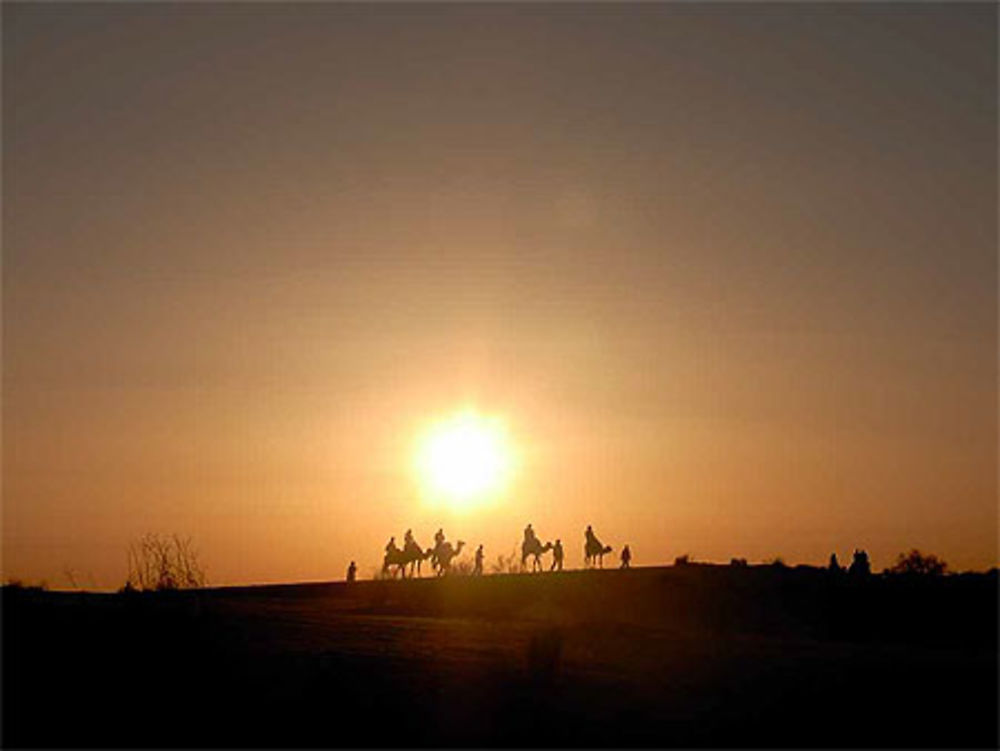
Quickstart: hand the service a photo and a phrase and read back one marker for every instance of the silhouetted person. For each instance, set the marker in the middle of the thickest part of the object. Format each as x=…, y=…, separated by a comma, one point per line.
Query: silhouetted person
x=390, y=547
x=352, y=572
x=860, y=565
x=478, y=569
x=626, y=557
x=438, y=538
x=529, y=534
x=557, y=556
x=834, y=563
x=408, y=538
x=589, y=535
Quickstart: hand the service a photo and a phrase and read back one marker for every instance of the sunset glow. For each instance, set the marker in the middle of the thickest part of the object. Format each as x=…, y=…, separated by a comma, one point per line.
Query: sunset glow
x=464, y=459
x=291, y=279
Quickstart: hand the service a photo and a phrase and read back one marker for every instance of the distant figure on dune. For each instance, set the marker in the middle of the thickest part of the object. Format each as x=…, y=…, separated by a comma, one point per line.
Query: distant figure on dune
x=593, y=550
x=557, y=556
x=626, y=557
x=477, y=570
x=860, y=565
x=352, y=572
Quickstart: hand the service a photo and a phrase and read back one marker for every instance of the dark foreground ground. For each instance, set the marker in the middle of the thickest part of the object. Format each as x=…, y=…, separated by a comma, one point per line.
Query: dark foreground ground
x=681, y=656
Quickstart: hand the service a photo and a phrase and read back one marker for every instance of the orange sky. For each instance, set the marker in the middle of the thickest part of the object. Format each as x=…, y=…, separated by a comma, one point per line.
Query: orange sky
x=728, y=274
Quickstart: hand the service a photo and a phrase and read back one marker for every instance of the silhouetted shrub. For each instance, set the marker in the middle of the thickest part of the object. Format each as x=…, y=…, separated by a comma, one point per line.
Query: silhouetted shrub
x=916, y=562
x=777, y=562
x=682, y=560
x=16, y=585
x=740, y=562
x=860, y=566
x=461, y=568
x=507, y=564
x=163, y=563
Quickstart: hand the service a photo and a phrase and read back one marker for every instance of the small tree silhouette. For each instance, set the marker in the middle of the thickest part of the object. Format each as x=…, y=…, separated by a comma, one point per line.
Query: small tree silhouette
x=916, y=562
x=156, y=562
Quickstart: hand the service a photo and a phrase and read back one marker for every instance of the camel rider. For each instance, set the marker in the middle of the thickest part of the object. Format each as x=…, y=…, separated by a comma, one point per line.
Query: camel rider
x=557, y=556
x=529, y=534
x=591, y=537
x=438, y=542
x=391, y=547
x=408, y=539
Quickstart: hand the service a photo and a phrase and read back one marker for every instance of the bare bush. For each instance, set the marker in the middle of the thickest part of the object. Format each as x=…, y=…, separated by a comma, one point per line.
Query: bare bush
x=916, y=562
x=682, y=560
x=507, y=564
x=461, y=568
x=156, y=562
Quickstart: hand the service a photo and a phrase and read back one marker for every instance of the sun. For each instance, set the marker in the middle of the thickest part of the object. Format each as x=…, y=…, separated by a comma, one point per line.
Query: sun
x=464, y=460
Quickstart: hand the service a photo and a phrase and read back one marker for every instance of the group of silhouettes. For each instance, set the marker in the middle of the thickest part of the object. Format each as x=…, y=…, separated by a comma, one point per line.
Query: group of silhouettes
x=408, y=558
x=406, y=561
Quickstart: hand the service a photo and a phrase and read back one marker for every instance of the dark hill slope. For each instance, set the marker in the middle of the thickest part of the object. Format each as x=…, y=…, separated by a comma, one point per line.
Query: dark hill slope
x=681, y=656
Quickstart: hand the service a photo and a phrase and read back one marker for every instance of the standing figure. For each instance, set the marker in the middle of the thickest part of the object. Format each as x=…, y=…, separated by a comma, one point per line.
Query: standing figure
x=352, y=572
x=626, y=557
x=557, y=556
x=478, y=568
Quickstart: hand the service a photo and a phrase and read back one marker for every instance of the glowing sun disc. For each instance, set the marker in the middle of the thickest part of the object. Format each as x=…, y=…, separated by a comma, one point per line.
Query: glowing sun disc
x=464, y=458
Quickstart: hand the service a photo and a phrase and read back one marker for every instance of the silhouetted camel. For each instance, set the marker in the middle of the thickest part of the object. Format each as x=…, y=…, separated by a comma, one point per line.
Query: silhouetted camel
x=534, y=548
x=409, y=556
x=594, y=552
x=444, y=553
x=395, y=557
x=415, y=555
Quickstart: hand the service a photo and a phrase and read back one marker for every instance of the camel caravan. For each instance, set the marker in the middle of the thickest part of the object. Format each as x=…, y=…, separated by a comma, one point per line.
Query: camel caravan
x=406, y=562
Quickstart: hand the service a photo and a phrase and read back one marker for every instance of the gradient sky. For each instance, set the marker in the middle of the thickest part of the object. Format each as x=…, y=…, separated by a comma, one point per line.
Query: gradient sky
x=727, y=272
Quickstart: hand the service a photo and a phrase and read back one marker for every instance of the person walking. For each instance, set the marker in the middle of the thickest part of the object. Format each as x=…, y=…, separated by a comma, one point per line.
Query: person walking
x=352, y=572
x=478, y=569
x=626, y=557
x=557, y=556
